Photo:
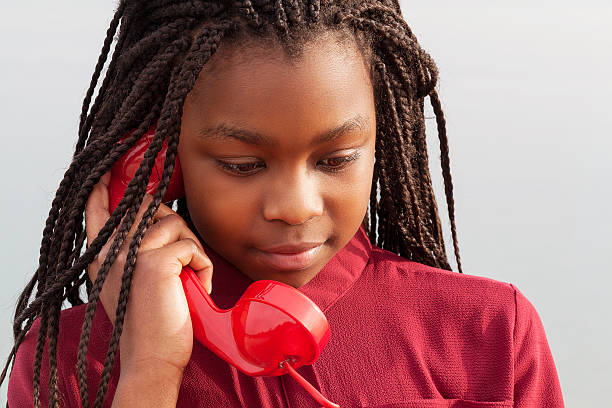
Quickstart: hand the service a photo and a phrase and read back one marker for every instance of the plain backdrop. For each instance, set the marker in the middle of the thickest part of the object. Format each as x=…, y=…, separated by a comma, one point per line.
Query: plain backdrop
x=525, y=87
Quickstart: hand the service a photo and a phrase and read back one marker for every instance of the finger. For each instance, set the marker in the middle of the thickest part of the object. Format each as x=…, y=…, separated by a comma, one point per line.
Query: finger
x=188, y=253
x=164, y=211
x=96, y=208
x=161, y=212
x=170, y=228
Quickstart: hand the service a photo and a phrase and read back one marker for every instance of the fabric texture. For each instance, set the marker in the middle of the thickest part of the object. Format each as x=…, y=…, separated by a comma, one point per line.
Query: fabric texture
x=402, y=335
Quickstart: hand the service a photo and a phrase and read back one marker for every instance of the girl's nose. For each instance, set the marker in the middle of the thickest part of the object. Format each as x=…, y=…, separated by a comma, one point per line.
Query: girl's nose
x=293, y=200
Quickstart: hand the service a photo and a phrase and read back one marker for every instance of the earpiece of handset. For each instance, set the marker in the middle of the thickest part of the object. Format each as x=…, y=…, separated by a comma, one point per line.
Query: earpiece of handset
x=125, y=168
x=273, y=328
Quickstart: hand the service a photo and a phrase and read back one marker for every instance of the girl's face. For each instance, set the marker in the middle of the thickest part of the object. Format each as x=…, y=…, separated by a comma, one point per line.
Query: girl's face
x=277, y=157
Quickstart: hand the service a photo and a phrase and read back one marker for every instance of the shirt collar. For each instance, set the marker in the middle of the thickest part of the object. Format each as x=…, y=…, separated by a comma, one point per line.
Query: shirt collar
x=329, y=285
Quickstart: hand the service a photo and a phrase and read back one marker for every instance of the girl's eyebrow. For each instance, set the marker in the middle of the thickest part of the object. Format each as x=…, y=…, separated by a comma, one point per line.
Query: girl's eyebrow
x=225, y=131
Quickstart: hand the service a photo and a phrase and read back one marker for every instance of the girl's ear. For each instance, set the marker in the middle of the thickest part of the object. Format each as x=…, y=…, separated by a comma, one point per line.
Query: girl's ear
x=125, y=168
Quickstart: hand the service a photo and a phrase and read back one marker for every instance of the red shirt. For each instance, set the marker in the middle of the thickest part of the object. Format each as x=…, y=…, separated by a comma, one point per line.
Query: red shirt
x=402, y=335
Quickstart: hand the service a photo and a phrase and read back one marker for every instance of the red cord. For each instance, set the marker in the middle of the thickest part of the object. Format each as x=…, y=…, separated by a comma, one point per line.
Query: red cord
x=308, y=387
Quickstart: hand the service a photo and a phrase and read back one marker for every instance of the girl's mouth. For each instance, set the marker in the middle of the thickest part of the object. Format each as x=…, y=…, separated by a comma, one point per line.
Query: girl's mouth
x=285, y=261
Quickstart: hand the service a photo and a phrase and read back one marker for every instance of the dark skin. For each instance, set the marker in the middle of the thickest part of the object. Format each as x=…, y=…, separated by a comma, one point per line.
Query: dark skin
x=287, y=188
x=294, y=191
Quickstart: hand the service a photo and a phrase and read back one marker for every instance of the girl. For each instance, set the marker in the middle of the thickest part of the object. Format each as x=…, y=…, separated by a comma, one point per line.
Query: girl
x=300, y=132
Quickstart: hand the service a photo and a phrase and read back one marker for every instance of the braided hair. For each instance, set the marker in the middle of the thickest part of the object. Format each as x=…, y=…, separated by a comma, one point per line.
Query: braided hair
x=158, y=54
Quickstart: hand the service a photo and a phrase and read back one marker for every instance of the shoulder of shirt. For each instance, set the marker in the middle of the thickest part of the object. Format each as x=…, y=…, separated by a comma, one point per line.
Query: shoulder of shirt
x=470, y=290
x=70, y=322
x=21, y=377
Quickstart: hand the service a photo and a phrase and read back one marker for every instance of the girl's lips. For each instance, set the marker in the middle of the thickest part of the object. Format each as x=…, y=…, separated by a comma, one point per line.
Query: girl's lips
x=290, y=261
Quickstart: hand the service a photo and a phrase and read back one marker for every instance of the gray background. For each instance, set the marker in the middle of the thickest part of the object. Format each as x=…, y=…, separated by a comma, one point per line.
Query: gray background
x=525, y=88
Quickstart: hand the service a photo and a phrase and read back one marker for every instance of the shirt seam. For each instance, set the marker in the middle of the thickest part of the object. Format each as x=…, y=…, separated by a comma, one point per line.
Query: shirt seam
x=514, y=339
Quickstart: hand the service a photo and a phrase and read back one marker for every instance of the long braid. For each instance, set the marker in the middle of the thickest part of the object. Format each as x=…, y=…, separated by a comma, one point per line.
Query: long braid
x=403, y=187
x=433, y=219
x=388, y=207
x=161, y=48
x=445, y=161
x=40, y=342
x=418, y=158
x=86, y=120
x=54, y=314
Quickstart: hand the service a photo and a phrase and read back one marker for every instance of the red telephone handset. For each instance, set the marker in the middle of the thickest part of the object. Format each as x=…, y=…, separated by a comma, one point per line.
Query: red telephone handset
x=272, y=329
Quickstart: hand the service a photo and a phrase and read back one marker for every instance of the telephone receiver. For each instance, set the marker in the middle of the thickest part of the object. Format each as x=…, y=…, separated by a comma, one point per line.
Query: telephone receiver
x=272, y=329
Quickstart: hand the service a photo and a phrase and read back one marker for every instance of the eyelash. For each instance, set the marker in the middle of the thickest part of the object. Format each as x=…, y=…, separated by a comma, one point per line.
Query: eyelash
x=234, y=167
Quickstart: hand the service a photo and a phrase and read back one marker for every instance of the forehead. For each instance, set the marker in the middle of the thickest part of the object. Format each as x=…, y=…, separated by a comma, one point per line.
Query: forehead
x=262, y=88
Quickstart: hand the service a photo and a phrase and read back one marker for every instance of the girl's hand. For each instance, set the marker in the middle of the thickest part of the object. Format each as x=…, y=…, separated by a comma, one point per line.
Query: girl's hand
x=157, y=333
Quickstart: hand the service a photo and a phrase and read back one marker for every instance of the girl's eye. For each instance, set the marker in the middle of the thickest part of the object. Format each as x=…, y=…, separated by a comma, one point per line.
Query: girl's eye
x=240, y=169
x=338, y=163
